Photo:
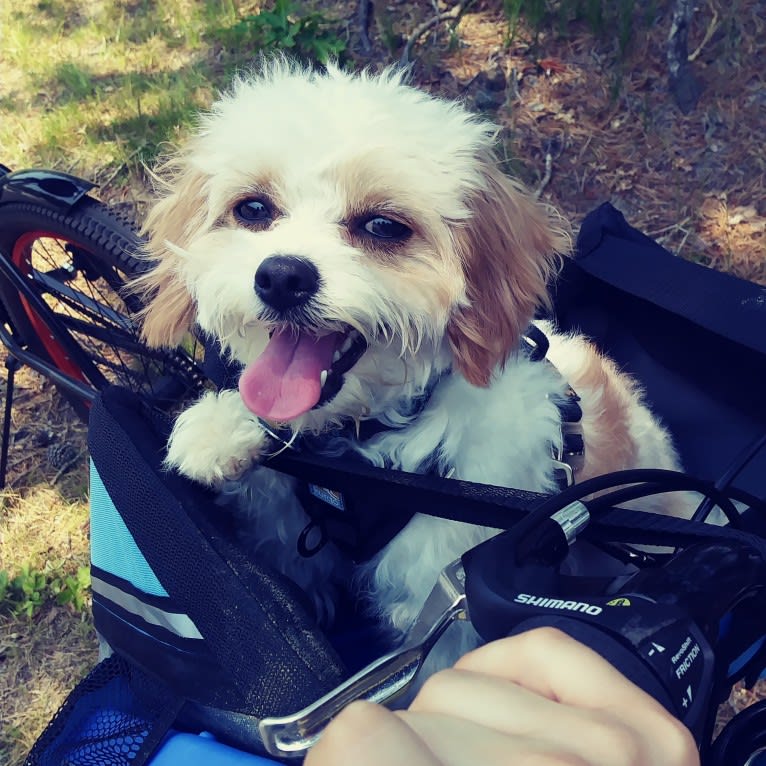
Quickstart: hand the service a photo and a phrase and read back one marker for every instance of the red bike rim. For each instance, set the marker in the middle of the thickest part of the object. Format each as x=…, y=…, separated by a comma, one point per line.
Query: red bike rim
x=21, y=257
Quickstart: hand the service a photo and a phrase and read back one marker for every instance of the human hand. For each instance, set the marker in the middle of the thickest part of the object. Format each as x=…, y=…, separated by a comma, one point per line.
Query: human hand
x=539, y=698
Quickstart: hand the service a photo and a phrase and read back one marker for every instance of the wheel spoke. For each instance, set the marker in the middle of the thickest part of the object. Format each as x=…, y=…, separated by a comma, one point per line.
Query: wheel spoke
x=78, y=301
x=83, y=292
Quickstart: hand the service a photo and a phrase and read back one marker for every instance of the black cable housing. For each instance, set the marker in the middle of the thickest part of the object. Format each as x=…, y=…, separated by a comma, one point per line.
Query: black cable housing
x=636, y=483
x=735, y=468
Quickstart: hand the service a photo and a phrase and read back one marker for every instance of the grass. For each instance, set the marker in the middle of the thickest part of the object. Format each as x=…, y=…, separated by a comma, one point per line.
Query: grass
x=97, y=88
x=46, y=635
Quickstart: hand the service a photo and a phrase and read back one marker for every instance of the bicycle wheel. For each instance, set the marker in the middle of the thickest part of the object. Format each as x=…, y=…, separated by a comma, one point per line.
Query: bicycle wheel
x=74, y=312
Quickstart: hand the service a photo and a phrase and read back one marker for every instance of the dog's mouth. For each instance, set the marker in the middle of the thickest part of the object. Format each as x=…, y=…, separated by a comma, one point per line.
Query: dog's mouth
x=298, y=371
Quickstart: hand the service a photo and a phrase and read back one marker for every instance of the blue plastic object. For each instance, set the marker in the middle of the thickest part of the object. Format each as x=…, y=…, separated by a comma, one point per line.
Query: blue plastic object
x=180, y=748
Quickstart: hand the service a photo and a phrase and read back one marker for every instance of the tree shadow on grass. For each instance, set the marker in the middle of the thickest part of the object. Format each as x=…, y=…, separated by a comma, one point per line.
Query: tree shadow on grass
x=147, y=108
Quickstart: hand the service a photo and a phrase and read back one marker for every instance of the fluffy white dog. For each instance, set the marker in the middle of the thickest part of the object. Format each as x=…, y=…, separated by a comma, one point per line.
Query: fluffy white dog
x=352, y=243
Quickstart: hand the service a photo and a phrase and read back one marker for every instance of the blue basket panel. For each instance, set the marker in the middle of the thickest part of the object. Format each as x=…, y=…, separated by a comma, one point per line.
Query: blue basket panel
x=112, y=547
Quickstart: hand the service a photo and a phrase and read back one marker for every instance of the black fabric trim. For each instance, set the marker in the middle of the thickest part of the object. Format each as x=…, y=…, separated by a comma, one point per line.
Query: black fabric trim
x=185, y=665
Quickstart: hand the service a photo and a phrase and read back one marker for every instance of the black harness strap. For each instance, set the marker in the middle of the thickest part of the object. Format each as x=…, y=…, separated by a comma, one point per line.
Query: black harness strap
x=218, y=366
x=362, y=528
x=394, y=497
x=371, y=505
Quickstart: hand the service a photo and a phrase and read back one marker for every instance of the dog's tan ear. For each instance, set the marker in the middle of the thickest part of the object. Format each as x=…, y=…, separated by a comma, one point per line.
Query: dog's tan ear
x=510, y=248
x=174, y=220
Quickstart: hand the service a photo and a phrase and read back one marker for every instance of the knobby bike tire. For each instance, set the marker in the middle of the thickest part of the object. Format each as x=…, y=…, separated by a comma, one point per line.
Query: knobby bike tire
x=79, y=261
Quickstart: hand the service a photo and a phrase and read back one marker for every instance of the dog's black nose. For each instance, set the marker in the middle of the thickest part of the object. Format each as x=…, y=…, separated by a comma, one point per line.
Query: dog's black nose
x=286, y=281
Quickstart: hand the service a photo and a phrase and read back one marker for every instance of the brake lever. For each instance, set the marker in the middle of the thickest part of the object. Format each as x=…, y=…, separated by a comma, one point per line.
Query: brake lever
x=382, y=680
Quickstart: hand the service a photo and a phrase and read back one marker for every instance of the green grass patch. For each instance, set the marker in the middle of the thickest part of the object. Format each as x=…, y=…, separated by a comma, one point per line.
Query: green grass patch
x=26, y=592
x=304, y=35
x=97, y=89
x=73, y=81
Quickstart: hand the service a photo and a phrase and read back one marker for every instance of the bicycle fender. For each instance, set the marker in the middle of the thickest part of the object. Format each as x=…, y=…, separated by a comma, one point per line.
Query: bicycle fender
x=49, y=187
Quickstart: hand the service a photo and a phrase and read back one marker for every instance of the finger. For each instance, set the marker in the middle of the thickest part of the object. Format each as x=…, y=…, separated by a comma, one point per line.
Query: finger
x=369, y=734
x=554, y=665
x=462, y=742
x=523, y=716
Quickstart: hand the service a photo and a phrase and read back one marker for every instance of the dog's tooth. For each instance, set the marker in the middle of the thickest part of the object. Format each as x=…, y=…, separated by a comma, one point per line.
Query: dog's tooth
x=323, y=377
x=336, y=356
x=346, y=345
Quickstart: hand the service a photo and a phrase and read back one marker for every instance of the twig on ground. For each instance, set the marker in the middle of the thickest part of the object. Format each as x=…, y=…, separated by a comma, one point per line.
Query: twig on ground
x=670, y=232
x=585, y=146
x=120, y=167
x=687, y=234
x=678, y=225
x=453, y=14
x=71, y=463
x=546, y=176
x=708, y=34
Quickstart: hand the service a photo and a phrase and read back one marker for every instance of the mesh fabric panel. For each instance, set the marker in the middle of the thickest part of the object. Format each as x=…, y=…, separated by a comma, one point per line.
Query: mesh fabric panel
x=116, y=716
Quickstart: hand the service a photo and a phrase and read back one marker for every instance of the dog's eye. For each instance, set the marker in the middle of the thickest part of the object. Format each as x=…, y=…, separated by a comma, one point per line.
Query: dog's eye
x=386, y=228
x=252, y=211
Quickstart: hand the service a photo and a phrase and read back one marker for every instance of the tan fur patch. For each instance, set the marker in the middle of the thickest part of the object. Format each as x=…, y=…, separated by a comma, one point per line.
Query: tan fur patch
x=175, y=219
x=609, y=444
x=509, y=250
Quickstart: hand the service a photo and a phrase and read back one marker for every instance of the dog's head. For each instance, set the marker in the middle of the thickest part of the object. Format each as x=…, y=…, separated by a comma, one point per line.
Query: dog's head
x=345, y=237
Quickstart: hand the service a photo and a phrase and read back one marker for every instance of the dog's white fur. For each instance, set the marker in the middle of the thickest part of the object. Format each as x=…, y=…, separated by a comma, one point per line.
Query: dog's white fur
x=327, y=149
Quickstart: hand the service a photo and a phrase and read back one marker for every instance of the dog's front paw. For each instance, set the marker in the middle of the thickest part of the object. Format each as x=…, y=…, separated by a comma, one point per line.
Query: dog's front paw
x=215, y=440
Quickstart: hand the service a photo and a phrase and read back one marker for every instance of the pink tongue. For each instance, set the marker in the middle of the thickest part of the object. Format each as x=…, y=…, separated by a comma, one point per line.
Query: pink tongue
x=284, y=381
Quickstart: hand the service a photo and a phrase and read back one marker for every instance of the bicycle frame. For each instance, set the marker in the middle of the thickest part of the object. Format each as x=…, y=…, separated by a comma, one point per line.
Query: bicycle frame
x=73, y=349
